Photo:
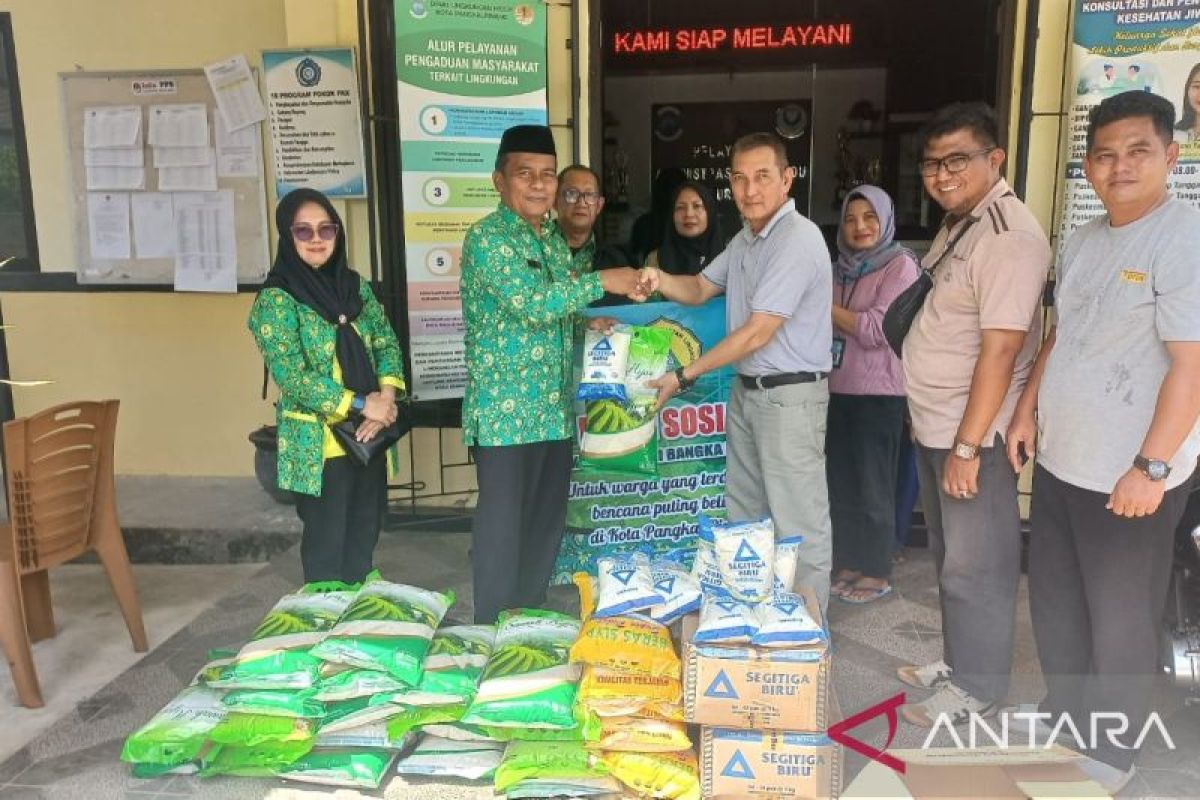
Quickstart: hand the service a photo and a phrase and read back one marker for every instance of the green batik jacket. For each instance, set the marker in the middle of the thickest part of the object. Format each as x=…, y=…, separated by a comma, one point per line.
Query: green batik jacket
x=298, y=346
x=520, y=293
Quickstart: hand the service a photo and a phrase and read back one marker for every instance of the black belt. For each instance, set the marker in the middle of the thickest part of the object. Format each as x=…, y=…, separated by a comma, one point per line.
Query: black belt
x=784, y=379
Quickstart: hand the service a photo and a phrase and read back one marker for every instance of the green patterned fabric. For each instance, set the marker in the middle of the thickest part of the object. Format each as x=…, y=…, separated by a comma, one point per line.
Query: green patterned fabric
x=520, y=292
x=298, y=346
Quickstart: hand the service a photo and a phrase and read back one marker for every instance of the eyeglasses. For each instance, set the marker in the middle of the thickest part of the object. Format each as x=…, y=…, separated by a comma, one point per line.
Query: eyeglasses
x=955, y=162
x=326, y=231
x=574, y=196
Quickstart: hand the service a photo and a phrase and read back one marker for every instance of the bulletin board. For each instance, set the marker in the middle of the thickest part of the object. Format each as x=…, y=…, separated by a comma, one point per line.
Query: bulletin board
x=81, y=90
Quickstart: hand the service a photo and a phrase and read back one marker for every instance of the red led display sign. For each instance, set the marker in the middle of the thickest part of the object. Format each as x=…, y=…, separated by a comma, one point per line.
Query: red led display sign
x=759, y=37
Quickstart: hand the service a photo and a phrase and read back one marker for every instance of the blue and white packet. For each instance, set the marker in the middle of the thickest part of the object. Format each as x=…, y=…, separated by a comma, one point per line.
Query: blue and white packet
x=605, y=360
x=745, y=556
x=678, y=586
x=785, y=621
x=787, y=554
x=625, y=584
x=704, y=567
x=725, y=620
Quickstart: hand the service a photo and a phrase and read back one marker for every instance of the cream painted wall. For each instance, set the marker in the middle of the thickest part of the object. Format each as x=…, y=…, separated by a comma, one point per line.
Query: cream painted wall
x=184, y=366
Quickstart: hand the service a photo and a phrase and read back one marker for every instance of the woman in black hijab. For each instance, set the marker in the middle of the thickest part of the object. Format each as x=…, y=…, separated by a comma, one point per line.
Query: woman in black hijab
x=333, y=354
x=692, y=236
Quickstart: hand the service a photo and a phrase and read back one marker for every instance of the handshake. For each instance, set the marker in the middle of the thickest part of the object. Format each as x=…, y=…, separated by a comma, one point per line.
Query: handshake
x=635, y=284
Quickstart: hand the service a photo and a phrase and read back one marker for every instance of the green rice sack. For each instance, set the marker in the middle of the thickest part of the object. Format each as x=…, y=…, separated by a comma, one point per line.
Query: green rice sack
x=353, y=683
x=387, y=628
x=528, y=681
x=557, y=761
x=252, y=761
x=411, y=718
x=250, y=730
x=275, y=703
x=373, y=734
x=353, y=713
x=457, y=656
x=536, y=789
x=277, y=655
x=439, y=757
x=623, y=437
x=176, y=734
x=361, y=769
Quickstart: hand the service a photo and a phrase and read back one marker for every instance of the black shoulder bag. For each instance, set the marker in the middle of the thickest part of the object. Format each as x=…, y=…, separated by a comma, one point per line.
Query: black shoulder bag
x=903, y=310
x=365, y=452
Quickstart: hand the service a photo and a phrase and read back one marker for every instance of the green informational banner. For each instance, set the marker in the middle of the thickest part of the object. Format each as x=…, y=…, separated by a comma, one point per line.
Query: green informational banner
x=466, y=70
x=618, y=512
x=1133, y=45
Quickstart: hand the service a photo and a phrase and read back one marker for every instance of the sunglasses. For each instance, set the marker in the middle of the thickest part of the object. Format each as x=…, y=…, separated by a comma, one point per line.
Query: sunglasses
x=326, y=231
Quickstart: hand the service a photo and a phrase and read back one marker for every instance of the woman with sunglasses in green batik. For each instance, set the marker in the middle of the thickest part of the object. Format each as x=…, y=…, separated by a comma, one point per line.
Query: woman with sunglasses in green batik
x=333, y=354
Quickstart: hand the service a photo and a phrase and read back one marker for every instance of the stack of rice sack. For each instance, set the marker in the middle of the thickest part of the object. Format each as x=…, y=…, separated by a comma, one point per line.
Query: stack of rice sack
x=327, y=690
x=631, y=677
x=756, y=673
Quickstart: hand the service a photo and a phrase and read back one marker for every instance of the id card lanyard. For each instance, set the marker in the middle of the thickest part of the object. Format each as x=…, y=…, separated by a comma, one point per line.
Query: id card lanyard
x=839, y=342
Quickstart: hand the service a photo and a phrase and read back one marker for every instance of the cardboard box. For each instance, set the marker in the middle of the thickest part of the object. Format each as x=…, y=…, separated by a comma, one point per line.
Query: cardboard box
x=781, y=765
x=997, y=774
x=756, y=688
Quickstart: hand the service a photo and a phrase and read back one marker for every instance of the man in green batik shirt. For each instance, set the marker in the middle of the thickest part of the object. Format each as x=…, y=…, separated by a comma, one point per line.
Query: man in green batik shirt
x=520, y=295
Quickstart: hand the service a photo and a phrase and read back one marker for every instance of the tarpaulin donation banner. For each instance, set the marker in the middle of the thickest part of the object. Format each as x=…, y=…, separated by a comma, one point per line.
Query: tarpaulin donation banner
x=616, y=512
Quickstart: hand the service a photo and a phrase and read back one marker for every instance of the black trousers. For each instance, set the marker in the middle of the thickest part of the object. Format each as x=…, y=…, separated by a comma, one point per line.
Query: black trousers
x=519, y=523
x=341, y=526
x=862, y=446
x=1097, y=587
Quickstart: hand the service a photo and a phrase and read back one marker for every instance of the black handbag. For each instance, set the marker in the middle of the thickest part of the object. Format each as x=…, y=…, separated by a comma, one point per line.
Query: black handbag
x=366, y=452
x=903, y=310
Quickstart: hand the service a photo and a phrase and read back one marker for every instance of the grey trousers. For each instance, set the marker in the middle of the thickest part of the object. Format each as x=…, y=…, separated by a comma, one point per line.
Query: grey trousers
x=775, y=465
x=976, y=548
x=1097, y=587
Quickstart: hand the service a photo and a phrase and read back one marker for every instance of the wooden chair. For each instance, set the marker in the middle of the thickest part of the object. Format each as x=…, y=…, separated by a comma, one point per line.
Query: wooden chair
x=62, y=503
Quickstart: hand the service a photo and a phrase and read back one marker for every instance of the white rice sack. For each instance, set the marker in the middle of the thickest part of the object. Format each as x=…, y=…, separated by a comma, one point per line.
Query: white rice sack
x=450, y=758
x=605, y=356
x=704, y=568
x=625, y=584
x=785, y=621
x=680, y=590
x=745, y=556
x=787, y=552
x=725, y=620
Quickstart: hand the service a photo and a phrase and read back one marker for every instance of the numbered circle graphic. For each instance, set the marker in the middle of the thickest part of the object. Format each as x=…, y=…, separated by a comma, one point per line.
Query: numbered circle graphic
x=440, y=261
x=437, y=192
x=433, y=120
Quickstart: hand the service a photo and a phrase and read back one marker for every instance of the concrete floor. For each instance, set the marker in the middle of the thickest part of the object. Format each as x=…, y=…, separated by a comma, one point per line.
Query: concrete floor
x=73, y=752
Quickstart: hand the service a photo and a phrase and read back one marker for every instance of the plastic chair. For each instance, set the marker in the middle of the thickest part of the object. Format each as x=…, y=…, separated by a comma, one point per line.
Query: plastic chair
x=62, y=503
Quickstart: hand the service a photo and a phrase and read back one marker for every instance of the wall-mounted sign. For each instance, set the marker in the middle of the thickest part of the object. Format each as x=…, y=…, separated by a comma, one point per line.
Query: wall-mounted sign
x=1126, y=46
x=466, y=70
x=747, y=37
x=316, y=128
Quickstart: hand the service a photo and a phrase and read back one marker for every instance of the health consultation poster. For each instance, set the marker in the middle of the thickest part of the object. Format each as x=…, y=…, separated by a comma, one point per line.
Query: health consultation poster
x=1133, y=45
x=619, y=512
x=466, y=70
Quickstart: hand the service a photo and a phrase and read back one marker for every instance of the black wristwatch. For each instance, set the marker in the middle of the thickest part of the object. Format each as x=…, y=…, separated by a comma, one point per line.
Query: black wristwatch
x=358, y=404
x=1152, y=468
x=685, y=383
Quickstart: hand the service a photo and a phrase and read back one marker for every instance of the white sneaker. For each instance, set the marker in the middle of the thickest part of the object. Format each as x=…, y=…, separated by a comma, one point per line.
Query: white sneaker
x=949, y=701
x=1024, y=726
x=1111, y=778
x=930, y=676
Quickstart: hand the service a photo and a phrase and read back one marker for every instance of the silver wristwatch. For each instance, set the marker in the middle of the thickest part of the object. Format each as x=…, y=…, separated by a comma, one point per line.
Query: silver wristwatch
x=965, y=450
x=1152, y=468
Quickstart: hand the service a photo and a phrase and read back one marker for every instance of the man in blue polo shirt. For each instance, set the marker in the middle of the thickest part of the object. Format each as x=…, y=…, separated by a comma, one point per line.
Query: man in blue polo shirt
x=777, y=276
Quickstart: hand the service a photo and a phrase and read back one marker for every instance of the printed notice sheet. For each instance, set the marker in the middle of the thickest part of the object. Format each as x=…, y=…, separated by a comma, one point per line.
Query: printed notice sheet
x=205, y=243
x=153, y=225
x=112, y=126
x=179, y=125
x=237, y=95
x=108, y=224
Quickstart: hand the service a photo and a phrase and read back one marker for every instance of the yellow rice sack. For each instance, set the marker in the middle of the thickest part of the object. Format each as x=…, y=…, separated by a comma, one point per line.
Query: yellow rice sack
x=641, y=735
x=631, y=644
x=610, y=693
x=665, y=776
